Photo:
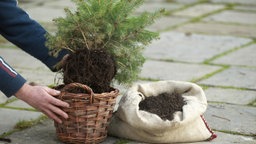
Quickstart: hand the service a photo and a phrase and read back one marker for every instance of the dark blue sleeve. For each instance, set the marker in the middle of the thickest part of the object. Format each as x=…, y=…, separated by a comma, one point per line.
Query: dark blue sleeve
x=10, y=80
x=17, y=27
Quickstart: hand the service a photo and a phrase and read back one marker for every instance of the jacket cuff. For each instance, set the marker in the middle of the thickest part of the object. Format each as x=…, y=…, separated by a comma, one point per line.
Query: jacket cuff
x=13, y=85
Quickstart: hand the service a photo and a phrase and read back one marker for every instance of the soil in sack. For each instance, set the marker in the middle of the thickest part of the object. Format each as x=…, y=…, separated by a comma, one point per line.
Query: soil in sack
x=164, y=105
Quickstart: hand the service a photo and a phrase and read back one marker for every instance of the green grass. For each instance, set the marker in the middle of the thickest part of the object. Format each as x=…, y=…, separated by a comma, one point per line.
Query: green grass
x=229, y=6
x=253, y=103
x=21, y=125
x=18, y=108
x=24, y=125
x=8, y=101
x=234, y=133
x=227, y=87
x=122, y=141
x=148, y=79
x=227, y=52
x=210, y=74
x=204, y=87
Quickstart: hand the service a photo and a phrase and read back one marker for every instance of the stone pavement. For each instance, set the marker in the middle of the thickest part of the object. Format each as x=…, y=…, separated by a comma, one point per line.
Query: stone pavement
x=208, y=42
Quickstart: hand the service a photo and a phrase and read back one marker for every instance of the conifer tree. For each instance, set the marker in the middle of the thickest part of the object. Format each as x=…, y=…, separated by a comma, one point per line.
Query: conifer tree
x=110, y=25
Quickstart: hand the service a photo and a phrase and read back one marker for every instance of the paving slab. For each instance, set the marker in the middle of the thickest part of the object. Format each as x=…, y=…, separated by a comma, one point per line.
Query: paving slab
x=162, y=70
x=31, y=3
x=219, y=29
x=45, y=14
x=225, y=138
x=232, y=118
x=240, y=77
x=186, y=1
x=39, y=76
x=199, y=10
x=244, y=56
x=44, y=133
x=245, y=7
x=232, y=16
x=191, y=48
x=20, y=59
x=19, y=104
x=3, y=98
x=167, y=22
x=47, y=10
x=154, y=1
x=9, y=118
x=243, y=2
x=232, y=96
x=61, y=4
x=151, y=7
x=29, y=67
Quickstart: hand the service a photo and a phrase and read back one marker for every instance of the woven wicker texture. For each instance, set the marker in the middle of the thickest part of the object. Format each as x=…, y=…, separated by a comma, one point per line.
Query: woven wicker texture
x=89, y=115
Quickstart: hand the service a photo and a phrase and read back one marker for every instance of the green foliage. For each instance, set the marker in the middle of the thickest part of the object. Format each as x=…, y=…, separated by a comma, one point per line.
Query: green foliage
x=121, y=141
x=109, y=25
x=29, y=123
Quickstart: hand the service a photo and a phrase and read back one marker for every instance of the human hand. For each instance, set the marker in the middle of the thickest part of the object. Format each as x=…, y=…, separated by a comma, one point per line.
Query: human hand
x=41, y=98
x=59, y=65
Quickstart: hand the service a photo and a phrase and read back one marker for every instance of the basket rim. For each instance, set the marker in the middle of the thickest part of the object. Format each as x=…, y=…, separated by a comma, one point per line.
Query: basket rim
x=61, y=86
x=65, y=94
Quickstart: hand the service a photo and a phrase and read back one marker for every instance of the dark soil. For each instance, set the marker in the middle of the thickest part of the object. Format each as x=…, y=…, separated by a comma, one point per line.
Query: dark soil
x=71, y=89
x=164, y=105
x=94, y=68
x=6, y=140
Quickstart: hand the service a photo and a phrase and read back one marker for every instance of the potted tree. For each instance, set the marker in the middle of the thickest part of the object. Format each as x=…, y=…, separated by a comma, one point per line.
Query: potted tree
x=105, y=43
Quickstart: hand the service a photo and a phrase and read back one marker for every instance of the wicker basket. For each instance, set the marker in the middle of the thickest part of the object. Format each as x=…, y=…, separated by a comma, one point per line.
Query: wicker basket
x=89, y=115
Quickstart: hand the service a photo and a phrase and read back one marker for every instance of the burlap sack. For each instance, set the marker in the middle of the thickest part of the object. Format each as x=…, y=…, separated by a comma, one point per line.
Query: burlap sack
x=188, y=126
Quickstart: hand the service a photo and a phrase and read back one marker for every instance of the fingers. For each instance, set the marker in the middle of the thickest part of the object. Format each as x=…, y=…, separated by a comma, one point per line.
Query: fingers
x=42, y=99
x=55, y=108
x=53, y=116
x=62, y=62
x=58, y=102
x=52, y=92
x=64, y=59
x=55, y=103
x=54, y=112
